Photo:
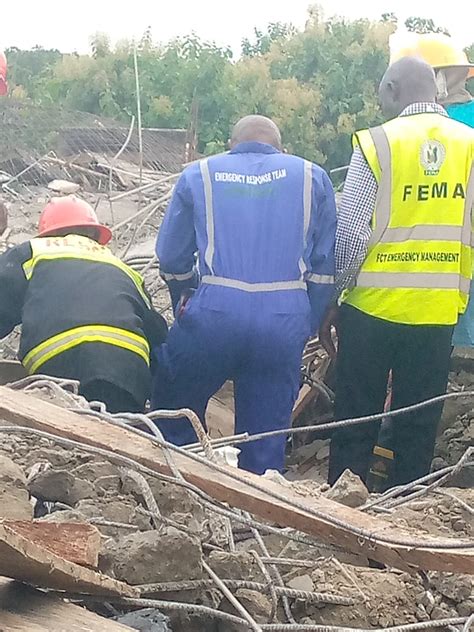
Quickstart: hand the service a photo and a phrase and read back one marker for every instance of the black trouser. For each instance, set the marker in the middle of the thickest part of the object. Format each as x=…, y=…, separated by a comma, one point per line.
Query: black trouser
x=116, y=399
x=419, y=359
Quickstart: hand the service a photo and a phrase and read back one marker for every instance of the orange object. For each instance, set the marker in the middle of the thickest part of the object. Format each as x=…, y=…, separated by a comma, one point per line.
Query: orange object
x=3, y=75
x=71, y=212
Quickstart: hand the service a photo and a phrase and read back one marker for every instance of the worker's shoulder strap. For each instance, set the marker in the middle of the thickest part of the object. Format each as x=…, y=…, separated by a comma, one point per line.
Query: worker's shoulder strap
x=374, y=145
x=76, y=247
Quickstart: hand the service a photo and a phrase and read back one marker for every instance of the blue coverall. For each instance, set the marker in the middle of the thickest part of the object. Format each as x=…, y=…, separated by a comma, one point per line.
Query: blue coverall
x=263, y=226
x=464, y=331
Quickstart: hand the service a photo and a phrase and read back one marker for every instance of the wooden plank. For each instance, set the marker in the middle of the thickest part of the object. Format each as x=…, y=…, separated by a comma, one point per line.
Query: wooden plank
x=74, y=541
x=25, y=410
x=219, y=420
x=24, y=609
x=30, y=563
x=306, y=395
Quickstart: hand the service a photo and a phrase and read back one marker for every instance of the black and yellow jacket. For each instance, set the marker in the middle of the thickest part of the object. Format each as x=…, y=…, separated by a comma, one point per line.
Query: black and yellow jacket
x=85, y=315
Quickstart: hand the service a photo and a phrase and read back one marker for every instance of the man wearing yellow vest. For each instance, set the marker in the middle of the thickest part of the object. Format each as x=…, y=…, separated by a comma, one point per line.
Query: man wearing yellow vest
x=403, y=255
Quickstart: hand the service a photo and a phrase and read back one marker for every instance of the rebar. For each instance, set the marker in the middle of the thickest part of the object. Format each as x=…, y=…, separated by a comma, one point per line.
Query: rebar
x=426, y=489
x=198, y=428
x=147, y=495
x=30, y=380
x=159, y=604
x=236, y=475
x=365, y=535
x=266, y=574
x=208, y=501
x=468, y=624
x=401, y=489
x=344, y=423
x=263, y=547
x=306, y=595
x=410, y=627
x=232, y=599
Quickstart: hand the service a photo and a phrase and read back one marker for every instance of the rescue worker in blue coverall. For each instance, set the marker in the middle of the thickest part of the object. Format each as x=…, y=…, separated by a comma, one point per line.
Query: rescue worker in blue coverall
x=262, y=223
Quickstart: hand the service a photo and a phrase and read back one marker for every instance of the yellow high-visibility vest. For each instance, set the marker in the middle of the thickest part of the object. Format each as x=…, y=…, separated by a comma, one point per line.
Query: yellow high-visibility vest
x=79, y=248
x=419, y=262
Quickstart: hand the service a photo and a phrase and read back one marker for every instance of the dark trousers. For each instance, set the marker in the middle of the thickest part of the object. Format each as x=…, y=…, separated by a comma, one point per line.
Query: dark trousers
x=116, y=399
x=419, y=357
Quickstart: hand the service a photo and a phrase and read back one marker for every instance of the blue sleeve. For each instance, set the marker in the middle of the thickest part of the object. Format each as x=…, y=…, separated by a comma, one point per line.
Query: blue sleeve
x=176, y=243
x=322, y=238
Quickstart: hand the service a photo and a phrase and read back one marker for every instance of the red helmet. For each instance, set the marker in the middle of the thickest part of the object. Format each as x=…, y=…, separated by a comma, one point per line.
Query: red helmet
x=3, y=74
x=71, y=212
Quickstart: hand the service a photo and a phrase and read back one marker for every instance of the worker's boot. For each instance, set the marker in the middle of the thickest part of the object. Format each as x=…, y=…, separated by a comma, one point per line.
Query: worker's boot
x=380, y=470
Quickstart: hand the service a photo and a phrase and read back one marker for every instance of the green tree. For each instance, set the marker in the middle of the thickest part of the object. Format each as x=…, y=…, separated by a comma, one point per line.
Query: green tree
x=319, y=83
x=263, y=40
x=27, y=69
x=424, y=25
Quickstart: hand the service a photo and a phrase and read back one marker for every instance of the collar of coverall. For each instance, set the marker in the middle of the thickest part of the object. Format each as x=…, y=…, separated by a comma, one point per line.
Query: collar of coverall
x=254, y=148
x=424, y=108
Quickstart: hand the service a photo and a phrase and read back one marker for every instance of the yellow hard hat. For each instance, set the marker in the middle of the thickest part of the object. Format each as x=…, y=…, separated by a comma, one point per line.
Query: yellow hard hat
x=436, y=49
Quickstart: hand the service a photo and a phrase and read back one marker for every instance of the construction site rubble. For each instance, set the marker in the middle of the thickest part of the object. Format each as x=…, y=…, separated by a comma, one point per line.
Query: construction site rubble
x=157, y=537
x=349, y=490
x=183, y=561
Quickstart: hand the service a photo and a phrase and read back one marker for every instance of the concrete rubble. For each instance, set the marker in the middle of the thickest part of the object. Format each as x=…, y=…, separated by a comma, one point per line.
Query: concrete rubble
x=165, y=554
x=162, y=554
x=349, y=490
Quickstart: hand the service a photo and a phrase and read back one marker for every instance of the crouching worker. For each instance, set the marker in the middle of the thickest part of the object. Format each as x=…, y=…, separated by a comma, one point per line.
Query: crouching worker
x=85, y=315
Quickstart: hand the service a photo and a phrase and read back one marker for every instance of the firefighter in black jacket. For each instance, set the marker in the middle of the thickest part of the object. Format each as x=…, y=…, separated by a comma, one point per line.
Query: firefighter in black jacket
x=85, y=315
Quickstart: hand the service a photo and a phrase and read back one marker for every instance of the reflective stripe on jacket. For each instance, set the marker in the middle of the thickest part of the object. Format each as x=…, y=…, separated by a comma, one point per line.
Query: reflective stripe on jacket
x=263, y=225
x=419, y=263
x=56, y=318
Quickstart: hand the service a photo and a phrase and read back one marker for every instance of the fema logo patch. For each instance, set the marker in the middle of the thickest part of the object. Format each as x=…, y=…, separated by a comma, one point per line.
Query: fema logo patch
x=432, y=156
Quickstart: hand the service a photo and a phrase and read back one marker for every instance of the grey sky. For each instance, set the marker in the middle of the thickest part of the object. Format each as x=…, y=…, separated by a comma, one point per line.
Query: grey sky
x=67, y=24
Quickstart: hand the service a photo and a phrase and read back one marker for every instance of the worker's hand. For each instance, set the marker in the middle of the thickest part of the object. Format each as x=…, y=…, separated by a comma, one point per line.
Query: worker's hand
x=325, y=330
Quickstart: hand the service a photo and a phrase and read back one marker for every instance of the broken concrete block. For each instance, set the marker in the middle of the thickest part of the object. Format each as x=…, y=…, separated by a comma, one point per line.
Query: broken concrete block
x=64, y=187
x=323, y=452
x=146, y=620
x=466, y=608
x=108, y=484
x=14, y=497
x=349, y=490
x=11, y=474
x=93, y=470
x=170, y=498
x=257, y=604
x=66, y=515
x=153, y=556
x=60, y=486
x=237, y=565
x=457, y=588
x=302, y=582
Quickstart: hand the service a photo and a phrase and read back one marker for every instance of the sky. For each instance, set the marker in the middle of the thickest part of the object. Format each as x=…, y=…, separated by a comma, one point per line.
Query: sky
x=68, y=25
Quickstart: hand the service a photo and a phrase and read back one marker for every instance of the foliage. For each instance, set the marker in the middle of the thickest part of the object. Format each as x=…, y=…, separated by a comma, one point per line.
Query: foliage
x=319, y=84
x=424, y=25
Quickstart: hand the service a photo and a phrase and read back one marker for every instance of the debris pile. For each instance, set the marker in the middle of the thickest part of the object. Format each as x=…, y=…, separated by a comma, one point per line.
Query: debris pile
x=173, y=540
x=193, y=563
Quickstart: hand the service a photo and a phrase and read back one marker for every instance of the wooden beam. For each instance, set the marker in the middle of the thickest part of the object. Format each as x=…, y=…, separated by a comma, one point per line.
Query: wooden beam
x=306, y=395
x=31, y=563
x=25, y=410
x=24, y=609
x=74, y=541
